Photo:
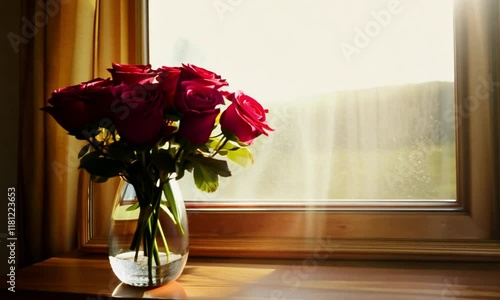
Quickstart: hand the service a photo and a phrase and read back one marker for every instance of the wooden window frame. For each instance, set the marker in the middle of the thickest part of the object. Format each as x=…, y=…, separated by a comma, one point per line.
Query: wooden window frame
x=466, y=229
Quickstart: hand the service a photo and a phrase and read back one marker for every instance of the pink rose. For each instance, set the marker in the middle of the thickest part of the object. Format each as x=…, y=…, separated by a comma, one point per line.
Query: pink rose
x=130, y=74
x=139, y=117
x=244, y=119
x=197, y=101
x=77, y=107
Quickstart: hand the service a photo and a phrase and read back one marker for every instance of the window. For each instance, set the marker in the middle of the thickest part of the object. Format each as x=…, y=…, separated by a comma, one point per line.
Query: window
x=361, y=99
x=420, y=186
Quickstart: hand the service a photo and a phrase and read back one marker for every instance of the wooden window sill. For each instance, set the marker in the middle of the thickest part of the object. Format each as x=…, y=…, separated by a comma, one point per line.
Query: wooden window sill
x=90, y=277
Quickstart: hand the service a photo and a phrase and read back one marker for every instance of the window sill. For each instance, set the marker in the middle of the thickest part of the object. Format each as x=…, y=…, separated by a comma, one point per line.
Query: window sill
x=90, y=277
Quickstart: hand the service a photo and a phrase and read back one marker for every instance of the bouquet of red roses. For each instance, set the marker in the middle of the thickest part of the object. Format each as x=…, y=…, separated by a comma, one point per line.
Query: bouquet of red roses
x=151, y=125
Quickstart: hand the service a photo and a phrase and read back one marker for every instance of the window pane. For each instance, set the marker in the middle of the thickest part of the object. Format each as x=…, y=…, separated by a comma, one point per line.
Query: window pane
x=361, y=93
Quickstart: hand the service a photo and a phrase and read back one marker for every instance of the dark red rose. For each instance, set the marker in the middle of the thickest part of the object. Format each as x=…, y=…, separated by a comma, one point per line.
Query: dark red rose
x=197, y=127
x=191, y=72
x=245, y=118
x=78, y=106
x=168, y=79
x=139, y=117
x=98, y=94
x=131, y=74
x=197, y=101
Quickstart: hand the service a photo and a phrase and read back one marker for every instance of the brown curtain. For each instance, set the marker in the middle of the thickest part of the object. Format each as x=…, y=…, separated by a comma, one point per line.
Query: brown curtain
x=78, y=42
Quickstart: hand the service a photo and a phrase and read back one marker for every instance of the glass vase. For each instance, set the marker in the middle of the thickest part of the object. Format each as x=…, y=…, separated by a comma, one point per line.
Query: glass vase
x=165, y=261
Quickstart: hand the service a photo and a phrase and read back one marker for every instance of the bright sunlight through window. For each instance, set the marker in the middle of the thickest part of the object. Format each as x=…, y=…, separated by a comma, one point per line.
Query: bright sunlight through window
x=360, y=92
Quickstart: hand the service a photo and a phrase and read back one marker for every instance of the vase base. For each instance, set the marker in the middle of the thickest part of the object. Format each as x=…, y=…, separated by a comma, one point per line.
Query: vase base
x=135, y=272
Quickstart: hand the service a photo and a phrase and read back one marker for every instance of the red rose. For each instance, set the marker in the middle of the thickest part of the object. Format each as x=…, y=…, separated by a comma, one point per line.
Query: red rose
x=78, y=106
x=168, y=79
x=197, y=127
x=197, y=96
x=139, y=117
x=197, y=101
x=98, y=94
x=131, y=74
x=190, y=72
x=245, y=118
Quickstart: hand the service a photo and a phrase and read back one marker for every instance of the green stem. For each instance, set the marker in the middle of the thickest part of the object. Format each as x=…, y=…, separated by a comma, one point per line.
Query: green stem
x=167, y=250
x=151, y=232
x=156, y=252
x=144, y=215
x=215, y=136
x=216, y=148
x=145, y=242
x=178, y=154
x=154, y=225
x=149, y=226
x=150, y=257
x=136, y=254
x=220, y=145
x=169, y=194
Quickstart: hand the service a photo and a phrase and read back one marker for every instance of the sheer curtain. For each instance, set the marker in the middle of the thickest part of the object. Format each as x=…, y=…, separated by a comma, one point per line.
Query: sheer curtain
x=79, y=41
x=379, y=143
x=361, y=93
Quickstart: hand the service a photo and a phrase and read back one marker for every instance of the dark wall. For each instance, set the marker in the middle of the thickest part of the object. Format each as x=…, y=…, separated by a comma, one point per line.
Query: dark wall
x=10, y=20
x=9, y=96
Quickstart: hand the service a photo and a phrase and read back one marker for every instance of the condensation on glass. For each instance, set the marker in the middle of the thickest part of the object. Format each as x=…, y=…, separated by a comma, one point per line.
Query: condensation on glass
x=361, y=93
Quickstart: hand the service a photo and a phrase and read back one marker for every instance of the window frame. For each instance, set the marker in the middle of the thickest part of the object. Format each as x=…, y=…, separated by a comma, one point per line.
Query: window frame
x=467, y=229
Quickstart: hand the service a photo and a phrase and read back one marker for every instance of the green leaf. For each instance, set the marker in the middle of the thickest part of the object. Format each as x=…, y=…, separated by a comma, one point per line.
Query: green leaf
x=230, y=136
x=205, y=179
x=241, y=156
x=174, y=117
x=84, y=150
x=180, y=173
x=120, y=151
x=229, y=145
x=162, y=160
x=133, y=207
x=217, y=166
x=89, y=156
x=100, y=166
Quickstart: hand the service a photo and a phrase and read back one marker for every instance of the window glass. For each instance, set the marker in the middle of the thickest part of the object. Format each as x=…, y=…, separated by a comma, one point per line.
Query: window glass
x=360, y=92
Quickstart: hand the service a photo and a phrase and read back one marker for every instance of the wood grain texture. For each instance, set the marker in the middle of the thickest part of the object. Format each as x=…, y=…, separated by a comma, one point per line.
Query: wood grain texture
x=90, y=277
